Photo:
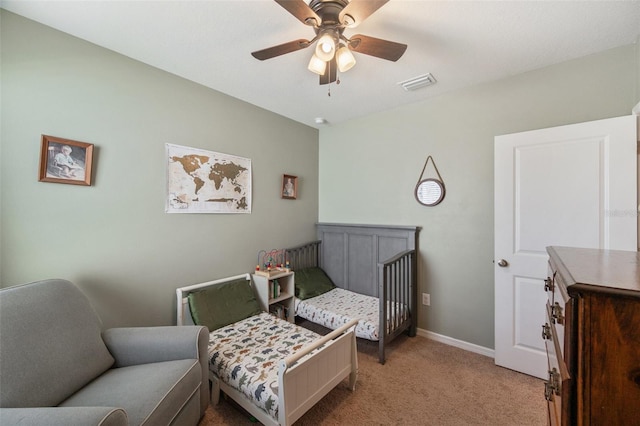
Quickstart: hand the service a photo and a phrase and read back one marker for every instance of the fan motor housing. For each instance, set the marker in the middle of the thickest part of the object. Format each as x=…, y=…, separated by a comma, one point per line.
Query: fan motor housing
x=328, y=11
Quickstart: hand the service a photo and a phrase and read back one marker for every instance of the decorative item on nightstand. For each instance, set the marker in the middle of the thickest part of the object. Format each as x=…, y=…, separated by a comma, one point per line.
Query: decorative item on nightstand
x=271, y=263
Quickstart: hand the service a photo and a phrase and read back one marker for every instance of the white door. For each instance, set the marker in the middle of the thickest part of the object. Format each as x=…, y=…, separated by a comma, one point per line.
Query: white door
x=567, y=186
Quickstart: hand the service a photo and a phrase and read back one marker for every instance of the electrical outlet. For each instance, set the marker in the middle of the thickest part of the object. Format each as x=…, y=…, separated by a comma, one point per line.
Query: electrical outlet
x=426, y=299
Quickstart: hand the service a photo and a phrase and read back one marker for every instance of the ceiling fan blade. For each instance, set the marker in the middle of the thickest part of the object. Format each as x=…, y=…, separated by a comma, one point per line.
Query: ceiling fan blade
x=359, y=10
x=300, y=10
x=281, y=49
x=330, y=74
x=377, y=47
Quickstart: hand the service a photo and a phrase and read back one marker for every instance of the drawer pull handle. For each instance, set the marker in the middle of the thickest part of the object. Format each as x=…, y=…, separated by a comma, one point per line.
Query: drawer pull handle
x=552, y=386
x=556, y=313
x=548, y=391
x=546, y=332
x=548, y=284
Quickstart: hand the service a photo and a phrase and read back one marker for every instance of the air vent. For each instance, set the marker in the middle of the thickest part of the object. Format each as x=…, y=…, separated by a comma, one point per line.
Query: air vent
x=418, y=82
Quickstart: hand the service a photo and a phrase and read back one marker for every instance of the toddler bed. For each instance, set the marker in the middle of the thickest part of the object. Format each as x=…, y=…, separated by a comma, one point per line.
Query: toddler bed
x=274, y=369
x=340, y=277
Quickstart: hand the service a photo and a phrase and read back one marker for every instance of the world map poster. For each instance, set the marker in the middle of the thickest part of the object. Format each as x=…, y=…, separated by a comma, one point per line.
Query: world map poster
x=200, y=181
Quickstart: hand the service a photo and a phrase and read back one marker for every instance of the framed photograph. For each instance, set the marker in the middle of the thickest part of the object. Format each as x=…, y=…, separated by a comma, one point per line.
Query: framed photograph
x=65, y=161
x=289, y=187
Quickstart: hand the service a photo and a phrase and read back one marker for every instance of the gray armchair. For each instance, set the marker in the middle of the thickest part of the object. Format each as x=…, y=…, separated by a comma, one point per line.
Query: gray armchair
x=58, y=368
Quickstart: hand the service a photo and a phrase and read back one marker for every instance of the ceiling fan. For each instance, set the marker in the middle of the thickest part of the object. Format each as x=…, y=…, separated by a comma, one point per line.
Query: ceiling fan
x=329, y=18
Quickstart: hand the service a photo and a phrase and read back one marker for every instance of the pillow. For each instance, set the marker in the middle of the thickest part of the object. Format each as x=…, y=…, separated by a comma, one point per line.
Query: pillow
x=311, y=282
x=223, y=304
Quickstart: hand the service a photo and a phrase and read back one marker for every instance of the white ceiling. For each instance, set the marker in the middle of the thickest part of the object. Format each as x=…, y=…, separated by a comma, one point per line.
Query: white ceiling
x=461, y=43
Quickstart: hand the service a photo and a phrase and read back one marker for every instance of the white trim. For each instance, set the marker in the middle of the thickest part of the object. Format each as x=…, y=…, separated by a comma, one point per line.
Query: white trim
x=471, y=347
x=636, y=109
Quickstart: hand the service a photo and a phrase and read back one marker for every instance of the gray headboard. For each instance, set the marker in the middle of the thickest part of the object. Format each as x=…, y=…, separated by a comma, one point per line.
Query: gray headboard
x=350, y=254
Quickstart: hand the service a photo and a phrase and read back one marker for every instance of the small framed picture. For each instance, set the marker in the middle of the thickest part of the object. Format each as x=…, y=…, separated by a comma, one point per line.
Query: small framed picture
x=289, y=187
x=65, y=161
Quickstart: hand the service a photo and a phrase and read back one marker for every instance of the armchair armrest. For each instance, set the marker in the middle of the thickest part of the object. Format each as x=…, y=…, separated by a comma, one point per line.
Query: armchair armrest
x=45, y=416
x=144, y=345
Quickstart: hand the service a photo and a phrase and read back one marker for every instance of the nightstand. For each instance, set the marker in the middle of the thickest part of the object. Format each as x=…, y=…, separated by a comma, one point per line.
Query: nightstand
x=275, y=293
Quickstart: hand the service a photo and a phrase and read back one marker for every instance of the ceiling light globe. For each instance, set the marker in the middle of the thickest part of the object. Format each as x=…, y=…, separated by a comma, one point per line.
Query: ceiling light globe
x=345, y=59
x=317, y=65
x=326, y=47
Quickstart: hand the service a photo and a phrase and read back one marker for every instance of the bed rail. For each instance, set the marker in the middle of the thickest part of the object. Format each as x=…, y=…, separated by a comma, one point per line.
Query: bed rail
x=305, y=255
x=397, y=293
x=337, y=358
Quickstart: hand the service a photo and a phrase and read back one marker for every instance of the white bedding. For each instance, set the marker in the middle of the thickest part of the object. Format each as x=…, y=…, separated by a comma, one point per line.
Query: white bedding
x=336, y=307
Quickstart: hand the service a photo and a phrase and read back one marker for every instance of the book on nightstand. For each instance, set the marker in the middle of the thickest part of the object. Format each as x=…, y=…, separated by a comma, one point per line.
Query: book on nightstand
x=274, y=289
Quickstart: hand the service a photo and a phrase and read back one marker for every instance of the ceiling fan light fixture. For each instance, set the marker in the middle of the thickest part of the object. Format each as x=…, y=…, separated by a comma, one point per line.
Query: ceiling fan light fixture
x=326, y=47
x=329, y=19
x=345, y=59
x=317, y=65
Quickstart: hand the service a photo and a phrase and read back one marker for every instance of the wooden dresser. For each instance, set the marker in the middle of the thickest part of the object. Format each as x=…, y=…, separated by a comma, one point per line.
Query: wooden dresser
x=592, y=335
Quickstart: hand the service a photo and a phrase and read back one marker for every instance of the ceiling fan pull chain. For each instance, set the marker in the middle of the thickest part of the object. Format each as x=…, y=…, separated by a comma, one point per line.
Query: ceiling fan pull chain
x=329, y=73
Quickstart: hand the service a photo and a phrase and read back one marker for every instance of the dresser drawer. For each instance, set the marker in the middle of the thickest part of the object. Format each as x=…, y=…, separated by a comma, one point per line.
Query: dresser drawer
x=555, y=344
x=560, y=293
x=553, y=395
x=558, y=381
x=553, y=411
x=555, y=285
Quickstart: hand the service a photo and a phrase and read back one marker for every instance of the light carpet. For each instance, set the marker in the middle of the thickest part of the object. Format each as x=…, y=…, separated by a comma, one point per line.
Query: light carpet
x=423, y=382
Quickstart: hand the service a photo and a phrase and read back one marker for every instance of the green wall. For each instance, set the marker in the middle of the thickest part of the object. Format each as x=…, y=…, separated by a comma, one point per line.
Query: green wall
x=116, y=242
x=369, y=168
x=113, y=238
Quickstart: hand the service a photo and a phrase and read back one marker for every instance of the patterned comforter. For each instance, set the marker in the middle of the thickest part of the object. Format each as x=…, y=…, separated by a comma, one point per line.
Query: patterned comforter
x=245, y=356
x=336, y=307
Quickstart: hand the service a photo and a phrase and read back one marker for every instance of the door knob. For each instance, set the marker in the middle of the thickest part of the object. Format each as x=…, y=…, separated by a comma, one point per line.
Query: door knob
x=503, y=263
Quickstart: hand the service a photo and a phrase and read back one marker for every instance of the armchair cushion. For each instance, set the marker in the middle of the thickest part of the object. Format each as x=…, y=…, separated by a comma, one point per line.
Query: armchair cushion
x=151, y=394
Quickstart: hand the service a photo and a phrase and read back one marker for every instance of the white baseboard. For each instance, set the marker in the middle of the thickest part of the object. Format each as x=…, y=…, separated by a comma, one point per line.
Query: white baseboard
x=471, y=347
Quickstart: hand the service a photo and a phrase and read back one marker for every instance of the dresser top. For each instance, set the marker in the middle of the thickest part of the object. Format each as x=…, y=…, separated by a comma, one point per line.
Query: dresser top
x=604, y=269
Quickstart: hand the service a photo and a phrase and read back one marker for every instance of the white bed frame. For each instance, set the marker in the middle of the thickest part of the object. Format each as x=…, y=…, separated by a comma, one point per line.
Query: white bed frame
x=301, y=382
